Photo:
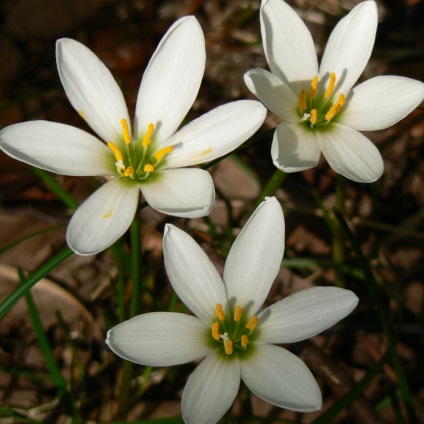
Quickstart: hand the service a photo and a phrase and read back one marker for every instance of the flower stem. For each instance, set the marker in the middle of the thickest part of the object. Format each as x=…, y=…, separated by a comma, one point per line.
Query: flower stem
x=128, y=367
x=338, y=235
x=271, y=186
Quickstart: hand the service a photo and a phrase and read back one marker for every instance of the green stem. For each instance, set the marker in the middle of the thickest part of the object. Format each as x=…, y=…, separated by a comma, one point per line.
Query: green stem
x=50, y=182
x=338, y=235
x=128, y=367
x=375, y=295
x=271, y=186
x=29, y=282
x=58, y=380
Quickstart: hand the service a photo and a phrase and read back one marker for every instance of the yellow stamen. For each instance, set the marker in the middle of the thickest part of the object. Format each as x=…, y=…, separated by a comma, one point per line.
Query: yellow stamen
x=148, y=168
x=244, y=341
x=252, y=323
x=331, y=113
x=314, y=116
x=340, y=102
x=336, y=108
x=313, y=87
x=125, y=131
x=219, y=312
x=116, y=151
x=215, y=331
x=331, y=85
x=302, y=100
x=162, y=152
x=228, y=346
x=129, y=172
x=147, y=138
x=237, y=313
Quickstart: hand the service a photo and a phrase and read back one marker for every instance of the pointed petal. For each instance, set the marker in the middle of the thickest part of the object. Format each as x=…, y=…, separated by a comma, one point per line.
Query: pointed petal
x=57, y=148
x=281, y=378
x=381, y=102
x=103, y=217
x=192, y=275
x=294, y=148
x=188, y=193
x=215, y=134
x=350, y=45
x=91, y=89
x=288, y=44
x=351, y=154
x=172, y=79
x=255, y=257
x=159, y=339
x=210, y=390
x=273, y=93
x=305, y=314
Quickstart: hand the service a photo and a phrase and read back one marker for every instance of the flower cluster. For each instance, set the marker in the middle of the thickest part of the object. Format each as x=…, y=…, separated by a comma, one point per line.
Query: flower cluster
x=150, y=156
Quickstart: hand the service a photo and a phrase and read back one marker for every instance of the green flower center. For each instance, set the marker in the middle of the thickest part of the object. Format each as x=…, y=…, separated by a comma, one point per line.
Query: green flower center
x=140, y=159
x=233, y=334
x=316, y=109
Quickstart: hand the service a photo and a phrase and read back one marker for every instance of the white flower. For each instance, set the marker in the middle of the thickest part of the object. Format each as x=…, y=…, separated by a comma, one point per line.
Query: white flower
x=235, y=340
x=321, y=111
x=151, y=156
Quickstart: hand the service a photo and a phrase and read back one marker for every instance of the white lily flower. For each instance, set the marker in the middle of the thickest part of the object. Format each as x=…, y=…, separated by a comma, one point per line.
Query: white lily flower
x=235, y=340
x=153, y=155
x=321, y=111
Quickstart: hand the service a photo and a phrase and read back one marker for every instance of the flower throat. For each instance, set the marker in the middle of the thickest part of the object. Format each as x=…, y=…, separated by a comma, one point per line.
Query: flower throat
x=138, y=160
x=317, y=111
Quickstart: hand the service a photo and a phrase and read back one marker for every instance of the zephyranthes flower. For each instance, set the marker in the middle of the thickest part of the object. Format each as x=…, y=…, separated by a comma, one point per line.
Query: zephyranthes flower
x=235, y=340
x=151, y=156
x=321, y=111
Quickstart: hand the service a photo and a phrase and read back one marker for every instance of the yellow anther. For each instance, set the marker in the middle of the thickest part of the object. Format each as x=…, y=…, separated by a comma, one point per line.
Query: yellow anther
x=314, y=116
x=313, y=87
x=125, y=131
x=244, y=341
x=237, y=313
x=331, y=85
x=340, y=102
x=302, y=100
x=252, y=323
x=219, y=312
x=129, y=172
x=162, y=152
x=331, y=113
x=215, y=331
x=228, y=346
x=116, y=151
x=335, y=108
x=147, y=138
x=148, y=168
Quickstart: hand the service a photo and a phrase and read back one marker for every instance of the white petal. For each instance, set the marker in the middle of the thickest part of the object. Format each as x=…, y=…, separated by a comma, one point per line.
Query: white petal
x=281, y=378
x=288, y=44
x=172, y=79
x=57, y=148
x=273, y=93
x=91, y=89
x=255, y=257
x=294, y=148
x=210, y=390
x=160, y=339
x=103, y=217
x=188, y=193
x=305, y=314
x=350, y=45
x=193, y=276
x=215, y=134
x=381, y=102
x=351, y=154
